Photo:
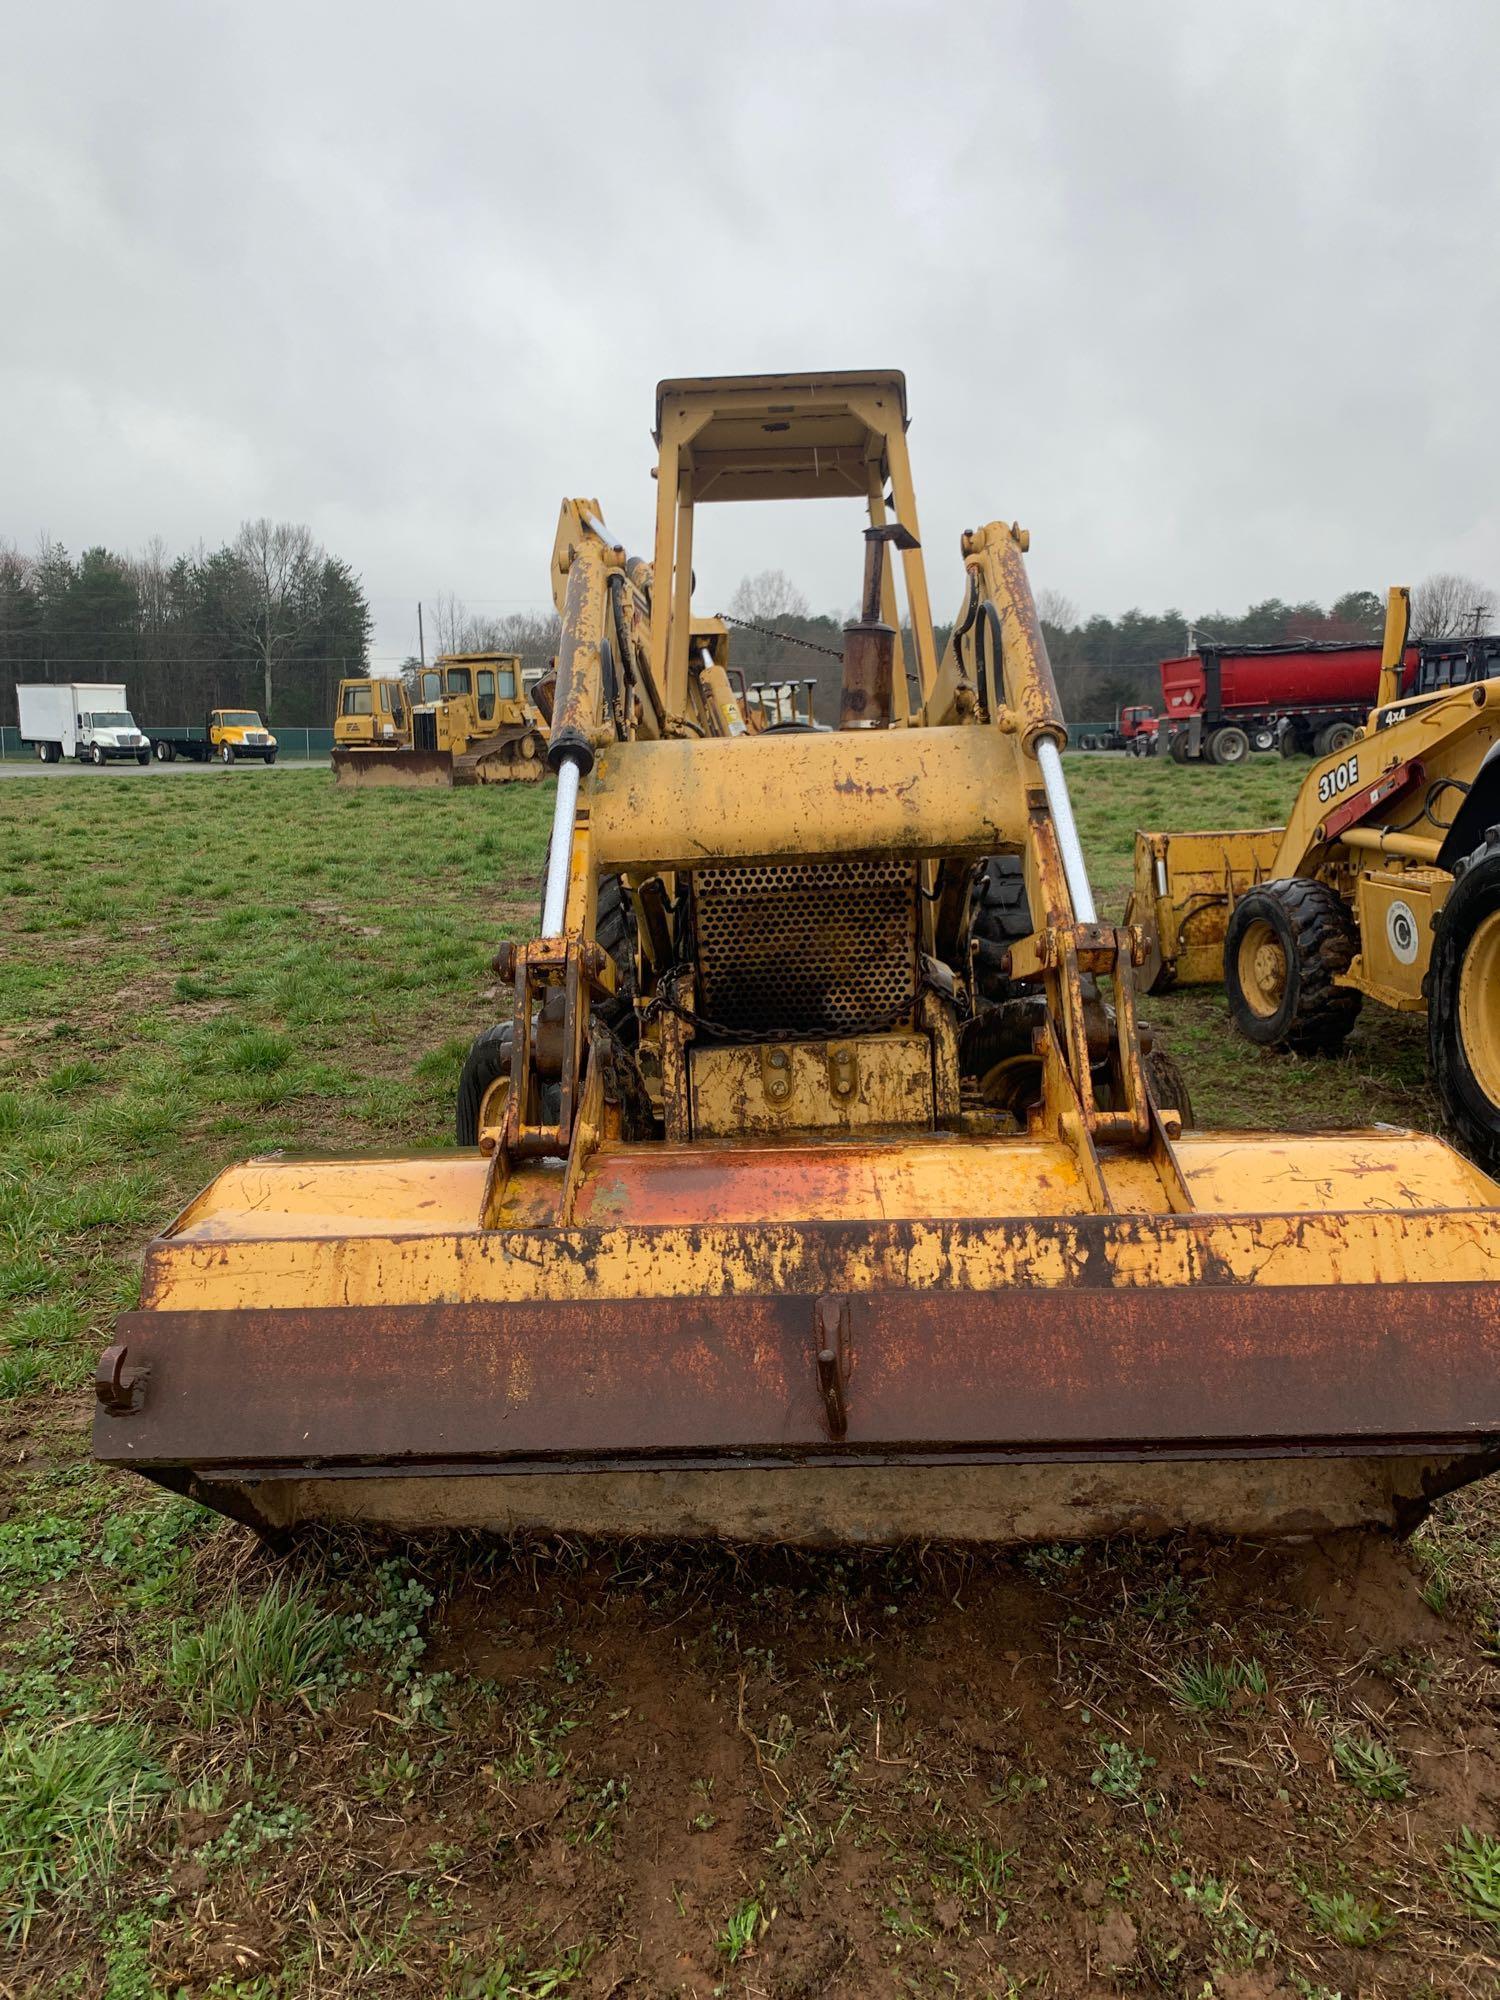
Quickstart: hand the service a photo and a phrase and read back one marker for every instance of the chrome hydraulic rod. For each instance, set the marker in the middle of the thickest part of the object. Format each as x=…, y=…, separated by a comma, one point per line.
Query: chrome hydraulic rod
x=559, y=860
x=1069, y=846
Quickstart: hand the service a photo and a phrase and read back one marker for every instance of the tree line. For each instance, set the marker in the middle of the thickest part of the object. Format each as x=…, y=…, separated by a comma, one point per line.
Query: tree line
x=270, y=621
x=1100, y=664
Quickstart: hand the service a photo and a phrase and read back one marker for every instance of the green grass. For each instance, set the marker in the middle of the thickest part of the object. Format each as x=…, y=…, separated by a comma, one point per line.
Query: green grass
x=1348, y=1919
x=194, y=972
x=1371, y=1768
x=65, y=1797
x=272, y=1650
x=1474, y=1874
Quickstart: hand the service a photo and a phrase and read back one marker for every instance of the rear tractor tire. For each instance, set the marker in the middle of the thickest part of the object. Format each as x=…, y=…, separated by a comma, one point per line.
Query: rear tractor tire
x=1229, y=745
x=1285, y=945
x=1463, y=1005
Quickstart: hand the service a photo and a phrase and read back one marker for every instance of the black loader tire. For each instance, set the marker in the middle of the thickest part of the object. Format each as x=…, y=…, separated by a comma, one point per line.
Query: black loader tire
x=487, y=1061
x=1167, y=1084
x=1308, y=931
x=1463, y=1005
x=615, y=930
x=999, y=916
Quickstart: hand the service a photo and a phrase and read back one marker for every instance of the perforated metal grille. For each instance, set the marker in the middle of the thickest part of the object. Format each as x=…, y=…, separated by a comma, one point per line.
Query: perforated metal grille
x=820, y=948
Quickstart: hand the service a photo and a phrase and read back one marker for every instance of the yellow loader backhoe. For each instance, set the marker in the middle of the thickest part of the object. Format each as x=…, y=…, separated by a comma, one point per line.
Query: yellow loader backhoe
x=813, y=1189
x=1384, y=882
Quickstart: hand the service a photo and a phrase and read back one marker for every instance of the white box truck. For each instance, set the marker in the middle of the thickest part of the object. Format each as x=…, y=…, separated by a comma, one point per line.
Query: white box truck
x=88, y=720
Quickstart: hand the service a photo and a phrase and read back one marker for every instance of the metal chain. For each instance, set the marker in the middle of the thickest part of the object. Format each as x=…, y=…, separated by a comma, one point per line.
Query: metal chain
x=786, y=638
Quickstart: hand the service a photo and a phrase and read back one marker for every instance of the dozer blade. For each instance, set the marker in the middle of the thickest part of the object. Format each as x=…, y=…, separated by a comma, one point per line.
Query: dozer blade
x=823, y=1343
x=392, y=767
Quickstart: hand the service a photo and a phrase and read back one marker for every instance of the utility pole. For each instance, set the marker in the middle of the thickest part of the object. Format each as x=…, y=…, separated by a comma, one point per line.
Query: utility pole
x=421, y=642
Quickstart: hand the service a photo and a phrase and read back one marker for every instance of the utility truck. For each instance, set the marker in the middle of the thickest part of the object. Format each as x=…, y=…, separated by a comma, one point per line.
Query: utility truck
x=227, y=735
x=87, y=720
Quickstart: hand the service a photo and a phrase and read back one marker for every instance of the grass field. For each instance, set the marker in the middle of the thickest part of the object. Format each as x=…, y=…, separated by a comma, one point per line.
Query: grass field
x=486, y=1770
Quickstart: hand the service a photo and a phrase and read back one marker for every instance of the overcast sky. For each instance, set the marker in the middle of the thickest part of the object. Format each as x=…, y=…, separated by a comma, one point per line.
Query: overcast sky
x=1207, y=295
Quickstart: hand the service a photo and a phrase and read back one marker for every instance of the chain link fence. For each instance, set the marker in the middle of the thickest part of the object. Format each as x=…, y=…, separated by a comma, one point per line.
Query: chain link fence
x=293, y=746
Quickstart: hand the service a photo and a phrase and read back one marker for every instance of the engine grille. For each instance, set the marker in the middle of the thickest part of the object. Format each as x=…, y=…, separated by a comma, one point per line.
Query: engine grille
x=424, y=729
x=813, y=948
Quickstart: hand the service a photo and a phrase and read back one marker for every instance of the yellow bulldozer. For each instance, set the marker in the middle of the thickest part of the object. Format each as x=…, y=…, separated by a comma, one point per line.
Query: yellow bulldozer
x=371, y=726
x=473, y=722
x=1384, y=883
x=813, y=1188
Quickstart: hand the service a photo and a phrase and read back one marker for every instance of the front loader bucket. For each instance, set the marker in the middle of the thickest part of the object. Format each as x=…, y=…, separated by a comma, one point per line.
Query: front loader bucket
x=1184, y=887
x=824, y=1343
x=392, y=767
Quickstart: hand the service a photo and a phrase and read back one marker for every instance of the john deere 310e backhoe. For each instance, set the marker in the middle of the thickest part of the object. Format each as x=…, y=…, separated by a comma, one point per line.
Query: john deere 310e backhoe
x=816, y=1190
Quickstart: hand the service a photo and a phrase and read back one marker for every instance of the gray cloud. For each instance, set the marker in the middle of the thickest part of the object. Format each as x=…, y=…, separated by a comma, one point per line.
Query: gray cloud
x=1206, y=296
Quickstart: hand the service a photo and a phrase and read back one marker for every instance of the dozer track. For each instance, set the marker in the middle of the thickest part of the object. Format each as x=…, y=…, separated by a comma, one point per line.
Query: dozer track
x=514, y=755
x=747, y=1245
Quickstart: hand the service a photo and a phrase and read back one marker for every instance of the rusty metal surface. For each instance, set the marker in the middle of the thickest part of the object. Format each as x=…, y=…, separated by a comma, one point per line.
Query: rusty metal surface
x=1065, y=1372
x=866, y=694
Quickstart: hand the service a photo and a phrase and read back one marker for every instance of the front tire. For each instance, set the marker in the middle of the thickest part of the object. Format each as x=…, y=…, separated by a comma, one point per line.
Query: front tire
x=1463, y=1005
x=488, y=1063
x=96, y=756
x=226, y=755
x=999, y=916
x=143, y=758
x=1285, y=944
x=270, y=758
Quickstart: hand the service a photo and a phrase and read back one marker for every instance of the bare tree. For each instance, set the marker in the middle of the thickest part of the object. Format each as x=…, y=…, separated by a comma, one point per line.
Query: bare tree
x=278, y=561
x=1447, y=606
x=1054, y=607
x=768, y=595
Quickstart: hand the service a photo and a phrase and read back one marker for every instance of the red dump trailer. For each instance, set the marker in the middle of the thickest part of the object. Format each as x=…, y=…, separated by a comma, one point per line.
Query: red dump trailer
x=1222, y=702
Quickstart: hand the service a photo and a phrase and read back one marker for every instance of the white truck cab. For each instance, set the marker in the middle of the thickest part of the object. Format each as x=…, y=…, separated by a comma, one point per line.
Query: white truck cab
x=89, y=720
